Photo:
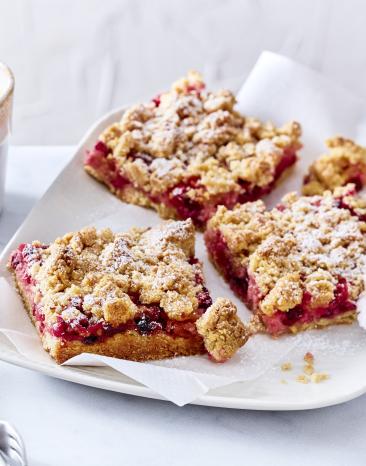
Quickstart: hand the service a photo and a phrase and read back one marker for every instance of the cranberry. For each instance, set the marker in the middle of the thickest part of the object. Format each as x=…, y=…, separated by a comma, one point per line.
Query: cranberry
x=27, y=278
x=77, y=301
x=29, y=250
x=184, y=205
x=102, y=147
x=16, y=259
x=196, y=88
x=59, y=328
x=289, y=158
x=83, y=322
x=98, y=328
x=119, y=181
x=341, y=291
x=156, y=100
x=236, y=276
x=292, y=316
x=152, y=311
x=181, y=329
x=316, y=203
x=146, y=325
x=135, y=298
x=357, y=181
x=204, y=298
x=147, y=158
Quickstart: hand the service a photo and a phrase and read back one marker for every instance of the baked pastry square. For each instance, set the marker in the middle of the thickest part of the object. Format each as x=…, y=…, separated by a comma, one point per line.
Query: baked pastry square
x=297, y=266
x=344, y=163
x=134, y=295
x=188, y=151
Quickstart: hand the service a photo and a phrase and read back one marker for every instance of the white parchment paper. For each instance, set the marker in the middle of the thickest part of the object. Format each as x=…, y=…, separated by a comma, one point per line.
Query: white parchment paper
x=278, y=89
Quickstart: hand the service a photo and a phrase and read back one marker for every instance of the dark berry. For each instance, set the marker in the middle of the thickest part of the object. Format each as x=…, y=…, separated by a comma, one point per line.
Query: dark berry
x=101, y=147
x=204, y=298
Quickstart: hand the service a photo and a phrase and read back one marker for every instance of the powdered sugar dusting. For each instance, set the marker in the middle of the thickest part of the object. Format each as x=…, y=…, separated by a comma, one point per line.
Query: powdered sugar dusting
x=97, y=272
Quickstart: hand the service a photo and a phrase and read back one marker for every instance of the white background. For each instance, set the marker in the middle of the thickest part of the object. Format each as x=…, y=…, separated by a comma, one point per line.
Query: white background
x=76, y=59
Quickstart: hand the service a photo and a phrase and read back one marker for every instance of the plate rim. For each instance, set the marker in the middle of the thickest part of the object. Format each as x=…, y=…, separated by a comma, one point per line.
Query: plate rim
x=208, y=399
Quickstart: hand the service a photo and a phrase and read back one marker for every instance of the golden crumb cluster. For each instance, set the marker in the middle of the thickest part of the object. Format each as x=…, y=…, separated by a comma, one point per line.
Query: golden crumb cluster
x=308, y=375
x=105, y=269
x=190, y=132
x=345, y=162
x=222, y=330
x=303, y=245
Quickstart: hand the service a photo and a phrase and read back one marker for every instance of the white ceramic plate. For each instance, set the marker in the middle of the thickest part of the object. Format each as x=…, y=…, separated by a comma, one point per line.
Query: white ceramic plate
x=259, y=395
x=347, y=369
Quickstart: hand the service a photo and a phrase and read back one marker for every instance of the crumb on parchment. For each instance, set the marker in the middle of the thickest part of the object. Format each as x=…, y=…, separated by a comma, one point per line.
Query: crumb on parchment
x=318, y=377
x=308, y=375
x=309, y=358
x=302, y=379
x=308, y=369
x=286, y=366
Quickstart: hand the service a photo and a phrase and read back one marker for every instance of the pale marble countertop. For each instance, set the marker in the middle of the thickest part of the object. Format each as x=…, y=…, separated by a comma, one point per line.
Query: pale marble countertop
x=68, y=424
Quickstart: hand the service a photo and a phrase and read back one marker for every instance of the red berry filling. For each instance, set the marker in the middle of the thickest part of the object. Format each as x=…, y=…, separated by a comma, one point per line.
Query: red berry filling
x=304, y=313
x=342, y=204
x=246, y=288
x=156, y=100
x=236, y=276
x=105, y=166
x=177, y=197
x=150, y=320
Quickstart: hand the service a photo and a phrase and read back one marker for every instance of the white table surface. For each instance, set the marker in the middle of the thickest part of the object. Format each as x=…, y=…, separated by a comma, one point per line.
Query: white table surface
x=64, y=424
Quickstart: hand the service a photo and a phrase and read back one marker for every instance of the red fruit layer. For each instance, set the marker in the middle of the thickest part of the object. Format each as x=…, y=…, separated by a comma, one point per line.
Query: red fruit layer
x=246, y=288
x=150, y=320
x=236, y=276
x=303, y=314
x=342, y=204
x=176, y=197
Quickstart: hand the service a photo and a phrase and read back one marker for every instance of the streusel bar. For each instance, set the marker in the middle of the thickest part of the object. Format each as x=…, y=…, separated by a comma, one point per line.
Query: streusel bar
x=344, y=163
x=297, y=266
x=188, y=151
x=134, y=295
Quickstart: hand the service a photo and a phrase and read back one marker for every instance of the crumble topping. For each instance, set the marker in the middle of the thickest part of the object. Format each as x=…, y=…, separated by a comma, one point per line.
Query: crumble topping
x=345, y=162
x=190, y=132
x=299, y=249
x=244, y=227
x=286, y=294
x=222, y=330
x=106, y=271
